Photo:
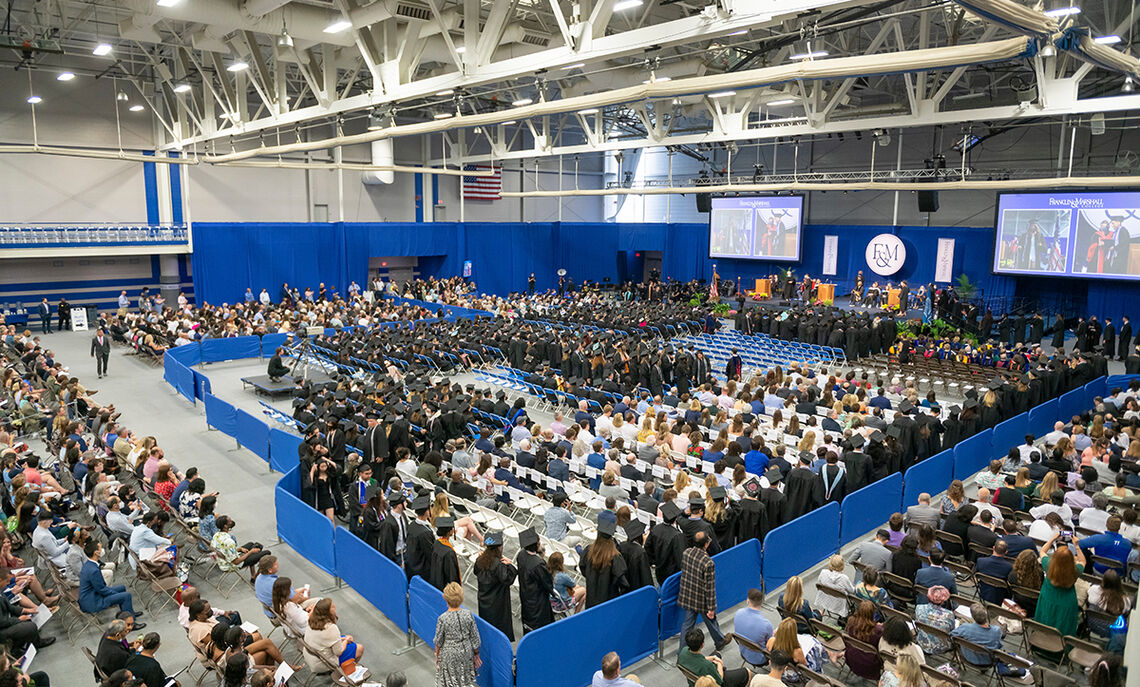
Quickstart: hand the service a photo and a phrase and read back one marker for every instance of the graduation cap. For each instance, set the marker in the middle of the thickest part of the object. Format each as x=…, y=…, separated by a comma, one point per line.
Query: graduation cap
x=311, y=427
x=752, y=485
x=347, y=424
x=634, y=529
x=894, y=431
x=492, y=538
x=419, y=504
x=298, y=402
x=971, y=403
x=606, y=528
x=502, y=395
x=527, y=537
x=994, y=384
x=856, y=441
x=697, y=503
x=340, y=395
x=718, y=493
x=445, y=524
x=906, y=406
x=372, y=490
x=877, y=436
x=670, y=511
x=774, y=476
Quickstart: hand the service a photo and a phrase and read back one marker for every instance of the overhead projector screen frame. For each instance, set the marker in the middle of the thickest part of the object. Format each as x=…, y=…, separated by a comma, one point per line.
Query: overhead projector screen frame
x=782, y=206
x=1084, y=217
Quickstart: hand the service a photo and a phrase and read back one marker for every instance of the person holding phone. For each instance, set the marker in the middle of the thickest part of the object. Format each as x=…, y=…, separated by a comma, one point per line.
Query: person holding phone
x=1063, y=562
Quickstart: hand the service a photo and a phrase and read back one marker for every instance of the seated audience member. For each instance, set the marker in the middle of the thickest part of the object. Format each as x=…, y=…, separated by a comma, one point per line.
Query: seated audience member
x=1025, y=580
x=94, y=594
x=114, y=649
x=874, y=554
x=751, y=624
x=868, y=588
x=1015, y=541
x=905, y=672
x=793, y=602
x=231, y=557
x=144, y=666
x=923, y=513
x=862, y=626
x=931, y=611
x=190, y=594
x=610, y=674
x=775, y=678
x=935, y=574
x=981, y=632
x=997, y=566
x=325, y=638
x=1109, y=598
x=267, y=569
x=1108, y=544
x=1008, y=496
x=699, y=665
x=1096, y=517
x=294, y=619
x=898, y=640
x=834, y=577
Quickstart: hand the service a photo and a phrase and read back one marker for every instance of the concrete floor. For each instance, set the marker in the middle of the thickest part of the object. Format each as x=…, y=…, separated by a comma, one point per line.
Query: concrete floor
x=151, y=407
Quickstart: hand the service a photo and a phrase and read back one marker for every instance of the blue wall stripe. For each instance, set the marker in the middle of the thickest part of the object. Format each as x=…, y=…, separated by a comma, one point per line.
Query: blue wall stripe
x=81, y=284
x=175, y=191
x=434, y=194
x=150, y=179
x=420, y=197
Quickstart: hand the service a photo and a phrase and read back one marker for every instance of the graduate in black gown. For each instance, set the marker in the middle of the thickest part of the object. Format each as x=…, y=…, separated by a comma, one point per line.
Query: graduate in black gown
x=392, y=532
x=633, y=551
x=752, y=516
x=801, y=490
x=373, y=516
x=419, y=541
x=665, y=543
x=495, y=573
x=443, y=567
x=605, y=570
x=536, y=584
x=721, y=516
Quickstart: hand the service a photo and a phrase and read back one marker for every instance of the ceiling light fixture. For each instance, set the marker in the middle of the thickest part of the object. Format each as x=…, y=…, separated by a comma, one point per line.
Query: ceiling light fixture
x=1048, y=50
x=508, y=122
x=447, y=91
x=338, y=25
x=238, y=66
x=588, y=111
x=1063, y=11
x=722, y=94
x=181, y=87
x=65, y=76
x=284, y=40
x=168, y=3
x=137, y=108
x=442, y=115
x=34, y=100
x=522, y=101
x=121, y=96
x=1128, y=86
x=809, y=55
x=739, y=33
x=785, y=101
x=460, y=49
x=576, y=65
x=1107, y=40
x=623, y=5
x=658, y=79
x=101, y=50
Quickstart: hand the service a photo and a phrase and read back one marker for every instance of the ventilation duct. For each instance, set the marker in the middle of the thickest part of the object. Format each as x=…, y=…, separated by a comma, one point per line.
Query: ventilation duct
x=1013, y=16
x=837, y=68
x=383, y=155
x=1077, y=41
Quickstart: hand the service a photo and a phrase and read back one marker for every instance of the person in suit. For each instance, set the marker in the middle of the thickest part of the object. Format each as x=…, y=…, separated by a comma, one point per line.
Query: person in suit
x=101, y=351
x=1124, y=339
x=923, y=513
x=935, y=575
x=45, y=316
x=94, y=594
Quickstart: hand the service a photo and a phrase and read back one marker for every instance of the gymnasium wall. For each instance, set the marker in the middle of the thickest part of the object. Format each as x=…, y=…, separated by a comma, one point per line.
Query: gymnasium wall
x=83, y=281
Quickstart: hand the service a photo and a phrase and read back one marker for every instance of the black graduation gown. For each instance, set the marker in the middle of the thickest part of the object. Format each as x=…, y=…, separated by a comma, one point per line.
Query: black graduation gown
x=418, y=551
x=837, y=483
x=1124, y=341
x=724, y=531
x=638, y=563
x=388, y=535
x=605, y=584
x=751, y=521
x=664, y=547
x=858, y=470
x=690, y=527
x=536, y=585
x=800, y=493
x=370, y=529
x=495, y=596
x=774, y=502
x=443, y=567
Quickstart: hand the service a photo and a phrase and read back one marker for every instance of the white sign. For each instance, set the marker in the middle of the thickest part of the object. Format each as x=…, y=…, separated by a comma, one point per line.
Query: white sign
x=79, y=319
x=944, y=263
x=886, y=254
x=830, y=254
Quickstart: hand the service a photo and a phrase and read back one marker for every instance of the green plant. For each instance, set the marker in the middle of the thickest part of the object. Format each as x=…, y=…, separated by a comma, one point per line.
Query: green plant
x=966, y=289
x=721, y=308
x=697, y=299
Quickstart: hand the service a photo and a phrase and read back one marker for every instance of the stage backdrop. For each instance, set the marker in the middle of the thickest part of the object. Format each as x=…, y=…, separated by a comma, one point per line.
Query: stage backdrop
x=228, y=257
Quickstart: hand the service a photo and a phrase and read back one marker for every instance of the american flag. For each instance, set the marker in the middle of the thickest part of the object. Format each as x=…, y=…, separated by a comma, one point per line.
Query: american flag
x=482, y=187
x=714, y=289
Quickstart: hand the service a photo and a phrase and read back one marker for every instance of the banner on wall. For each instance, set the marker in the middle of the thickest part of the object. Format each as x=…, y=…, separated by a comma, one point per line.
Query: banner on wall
x=944, y=263
x=830, y=255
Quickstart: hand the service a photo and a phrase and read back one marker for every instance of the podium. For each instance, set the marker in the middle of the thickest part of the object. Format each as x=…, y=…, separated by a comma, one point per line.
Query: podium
x=825, y=293
x=892, y=299
x=763, y=289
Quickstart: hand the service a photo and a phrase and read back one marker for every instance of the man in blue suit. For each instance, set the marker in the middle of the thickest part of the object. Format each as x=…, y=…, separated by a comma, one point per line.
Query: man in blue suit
x=935, y=575
x=997, y=565
x=94, y=594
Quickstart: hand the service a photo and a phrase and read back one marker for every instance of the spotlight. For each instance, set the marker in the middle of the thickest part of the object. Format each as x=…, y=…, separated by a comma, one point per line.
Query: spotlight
x=121, y=96
x=34, y=100
x=238, y=66
x=65, y=76
x=137, y=108
x=1128, y=87
x=1048, y=50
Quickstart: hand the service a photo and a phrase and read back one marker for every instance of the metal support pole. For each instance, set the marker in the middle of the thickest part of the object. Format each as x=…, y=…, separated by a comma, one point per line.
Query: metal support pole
x=412, y=643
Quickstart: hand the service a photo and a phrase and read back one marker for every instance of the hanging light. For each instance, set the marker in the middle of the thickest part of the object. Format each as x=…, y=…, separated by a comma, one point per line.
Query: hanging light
x=121, y=96
x=238, y=66
x=1048, y=50
x=1128, y=87
x=102, y=49
x=65, y=76
x=136, y=108
x=34, y=100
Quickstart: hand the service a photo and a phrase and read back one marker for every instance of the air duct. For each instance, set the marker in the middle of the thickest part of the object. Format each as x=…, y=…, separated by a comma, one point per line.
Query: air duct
x=808, y=70
x=303, y=21
x=1076, y=40
x=1013, y=16
x=383, y=155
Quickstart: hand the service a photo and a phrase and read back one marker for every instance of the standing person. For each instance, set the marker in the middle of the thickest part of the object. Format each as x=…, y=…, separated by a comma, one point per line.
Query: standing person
x=495, y=573
x=100, y=351
x=124, y=303
x=633, y=551
x=456, y=642
x=530, y=284
x=443, y=566
x=697, y=593
x=45, y=316
x=64, y=310
x=536, y=584
x=603, y=567
x=665, y=543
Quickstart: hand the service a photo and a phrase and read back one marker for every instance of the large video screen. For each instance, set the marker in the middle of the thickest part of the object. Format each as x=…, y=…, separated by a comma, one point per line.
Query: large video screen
x=1069, y=234
x=759, y=228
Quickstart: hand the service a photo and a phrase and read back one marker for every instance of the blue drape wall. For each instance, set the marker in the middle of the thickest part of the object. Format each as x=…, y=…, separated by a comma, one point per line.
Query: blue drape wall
x=228, y=257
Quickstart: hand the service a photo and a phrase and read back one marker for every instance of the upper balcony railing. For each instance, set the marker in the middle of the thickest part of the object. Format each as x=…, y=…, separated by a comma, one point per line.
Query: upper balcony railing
x=57, y=235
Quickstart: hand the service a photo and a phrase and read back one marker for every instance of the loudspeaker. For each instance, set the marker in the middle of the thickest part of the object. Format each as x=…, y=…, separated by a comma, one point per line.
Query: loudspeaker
x=928, y=201
x=704, y=202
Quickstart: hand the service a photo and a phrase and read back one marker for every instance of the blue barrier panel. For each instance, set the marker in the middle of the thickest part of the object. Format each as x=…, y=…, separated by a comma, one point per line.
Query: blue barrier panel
x=1042, y=417
x=1097, y=387
x=215, y=350
x=574, y=646
x=425, y=604
x=1070, y=404
x=1010, y=434
x=270, y=342
x=291, y=482
x=221, y=415
x=737, y=570
x=973, y=454
x=283, y=455
x=800, y=544
x=253, y=434
x=1121, y=381
x=671, y=615
x=309, y=533
x=201, y=385
x=181, y=378
x=869, y=507
x=189, y=355
x=373, y=576
x=931, y=476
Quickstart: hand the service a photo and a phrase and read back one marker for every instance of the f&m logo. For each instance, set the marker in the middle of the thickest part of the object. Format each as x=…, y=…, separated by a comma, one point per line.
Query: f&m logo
x=886, y=254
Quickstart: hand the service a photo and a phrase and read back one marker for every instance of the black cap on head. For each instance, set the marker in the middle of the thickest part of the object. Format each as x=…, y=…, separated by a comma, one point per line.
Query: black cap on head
x=528, y=537
x=718, y=493
x=445, y=524
x=994, y=384
x=298, y=402
x=877, y=436
x=670, y=511
x=971, y=403
x=421, y=504
x=752, y=486
x=894, y=431
x=634, y=528
x=372, y=490
x=906, y=406
x=696, y=504
x=606, y=528
x=492, y=538
x=774, y=476
x=856, y=441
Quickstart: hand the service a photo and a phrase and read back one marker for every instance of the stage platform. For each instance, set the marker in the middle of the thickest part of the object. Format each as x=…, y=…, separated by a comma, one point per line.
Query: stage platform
x=262, y=384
